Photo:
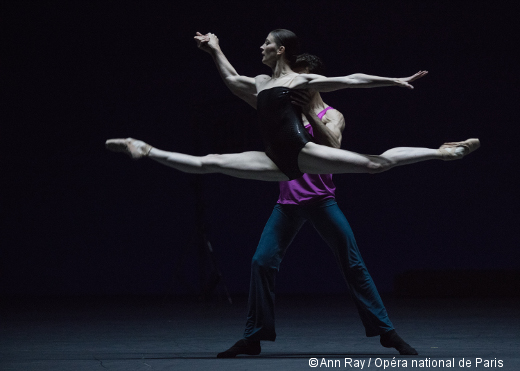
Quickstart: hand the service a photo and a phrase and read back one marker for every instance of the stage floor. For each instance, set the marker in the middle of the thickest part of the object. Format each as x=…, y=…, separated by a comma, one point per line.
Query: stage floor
x=144, y=333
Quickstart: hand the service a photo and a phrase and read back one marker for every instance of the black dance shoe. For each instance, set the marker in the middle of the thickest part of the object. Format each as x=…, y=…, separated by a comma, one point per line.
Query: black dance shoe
x=392, y=340
x=243, y=346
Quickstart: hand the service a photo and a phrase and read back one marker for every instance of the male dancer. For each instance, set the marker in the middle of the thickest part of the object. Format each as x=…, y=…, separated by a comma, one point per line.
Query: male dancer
x=310, y=197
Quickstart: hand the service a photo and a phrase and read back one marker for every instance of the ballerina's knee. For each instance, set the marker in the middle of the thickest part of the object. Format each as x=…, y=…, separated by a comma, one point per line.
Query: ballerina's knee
x=378, y=165
x=375, y=167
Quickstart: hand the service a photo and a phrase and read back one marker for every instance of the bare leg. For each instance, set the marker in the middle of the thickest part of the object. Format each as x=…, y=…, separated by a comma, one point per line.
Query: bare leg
x=318, y=159
x=313, y=159
x=247, y=165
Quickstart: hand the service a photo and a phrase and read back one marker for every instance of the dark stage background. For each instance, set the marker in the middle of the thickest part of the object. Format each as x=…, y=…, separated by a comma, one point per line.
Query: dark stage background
x=78, y=220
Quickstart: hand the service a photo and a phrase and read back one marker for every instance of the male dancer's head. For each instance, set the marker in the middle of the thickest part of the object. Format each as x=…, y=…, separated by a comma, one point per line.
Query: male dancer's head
x=308, y=63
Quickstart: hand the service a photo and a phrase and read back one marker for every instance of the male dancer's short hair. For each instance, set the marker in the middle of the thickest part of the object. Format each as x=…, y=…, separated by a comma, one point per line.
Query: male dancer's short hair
x=312, y=62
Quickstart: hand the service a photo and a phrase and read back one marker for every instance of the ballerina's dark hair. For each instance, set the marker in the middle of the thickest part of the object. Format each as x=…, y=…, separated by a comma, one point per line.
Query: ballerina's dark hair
x=312, y=62
x=289, y=40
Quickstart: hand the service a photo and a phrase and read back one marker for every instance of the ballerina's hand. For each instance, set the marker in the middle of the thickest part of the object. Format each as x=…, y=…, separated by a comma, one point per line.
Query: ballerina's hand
x=404, y=81
x=206, y=42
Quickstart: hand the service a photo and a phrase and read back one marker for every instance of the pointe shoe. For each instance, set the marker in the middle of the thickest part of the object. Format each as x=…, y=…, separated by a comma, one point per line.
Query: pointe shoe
x=132, y=147
x=457, y=150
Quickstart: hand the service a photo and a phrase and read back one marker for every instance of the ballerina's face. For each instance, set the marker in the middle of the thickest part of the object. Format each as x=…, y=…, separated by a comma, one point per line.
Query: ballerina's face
x=270, y=51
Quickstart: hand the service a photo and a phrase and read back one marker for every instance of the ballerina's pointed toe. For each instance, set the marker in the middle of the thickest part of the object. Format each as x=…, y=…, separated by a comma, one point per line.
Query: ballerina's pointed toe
x=450, y=151
x=129, y=146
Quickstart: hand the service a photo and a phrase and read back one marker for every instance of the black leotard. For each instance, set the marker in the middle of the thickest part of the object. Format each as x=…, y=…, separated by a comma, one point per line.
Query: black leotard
x=282, y=129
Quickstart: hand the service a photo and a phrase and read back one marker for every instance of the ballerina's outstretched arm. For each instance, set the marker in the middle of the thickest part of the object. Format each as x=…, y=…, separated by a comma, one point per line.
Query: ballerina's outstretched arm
x=357, y=80
x=242, y=86
x=245, y=86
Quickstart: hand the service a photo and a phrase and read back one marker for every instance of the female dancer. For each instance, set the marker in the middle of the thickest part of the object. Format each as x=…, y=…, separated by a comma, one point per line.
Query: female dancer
x=289, y=150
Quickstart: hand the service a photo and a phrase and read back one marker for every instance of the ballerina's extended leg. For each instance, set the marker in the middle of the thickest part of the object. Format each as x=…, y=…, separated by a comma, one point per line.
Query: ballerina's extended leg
x=313, y=159
x=246, y=165
x=317, y=159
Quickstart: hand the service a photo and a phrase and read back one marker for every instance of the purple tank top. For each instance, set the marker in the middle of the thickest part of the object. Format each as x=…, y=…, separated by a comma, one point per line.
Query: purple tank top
x=310, y=187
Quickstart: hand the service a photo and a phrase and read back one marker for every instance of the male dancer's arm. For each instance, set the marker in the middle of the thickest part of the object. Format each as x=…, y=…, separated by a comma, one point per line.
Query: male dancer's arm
x=327, y=131
x=242, y=86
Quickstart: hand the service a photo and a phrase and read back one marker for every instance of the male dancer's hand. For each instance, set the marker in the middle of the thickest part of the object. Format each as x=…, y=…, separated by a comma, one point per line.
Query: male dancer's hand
x=404, y=81
x=207, y=42
x=302, y=98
